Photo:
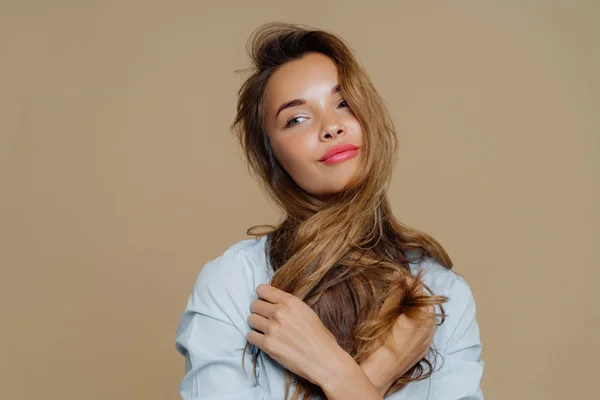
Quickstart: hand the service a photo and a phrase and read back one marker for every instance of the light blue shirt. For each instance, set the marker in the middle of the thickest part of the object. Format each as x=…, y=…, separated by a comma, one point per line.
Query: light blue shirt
x=213, y=328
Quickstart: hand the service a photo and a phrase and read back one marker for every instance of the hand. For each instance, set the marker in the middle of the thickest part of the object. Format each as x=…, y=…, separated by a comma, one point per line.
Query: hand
x=293, y=334
x=388, y=363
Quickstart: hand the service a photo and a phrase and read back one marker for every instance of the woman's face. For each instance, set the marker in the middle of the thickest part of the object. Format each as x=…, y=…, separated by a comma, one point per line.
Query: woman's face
x=306, y=117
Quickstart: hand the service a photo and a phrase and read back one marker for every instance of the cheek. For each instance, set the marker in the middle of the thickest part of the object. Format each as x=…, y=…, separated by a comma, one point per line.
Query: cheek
x=293, y=152
x=354, y=129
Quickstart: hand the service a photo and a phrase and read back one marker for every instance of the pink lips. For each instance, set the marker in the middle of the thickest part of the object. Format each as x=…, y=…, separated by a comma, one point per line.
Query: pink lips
x=339, y=153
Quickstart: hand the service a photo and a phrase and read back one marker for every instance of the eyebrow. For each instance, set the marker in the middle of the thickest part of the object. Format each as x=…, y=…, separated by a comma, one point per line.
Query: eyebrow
x=299, y=102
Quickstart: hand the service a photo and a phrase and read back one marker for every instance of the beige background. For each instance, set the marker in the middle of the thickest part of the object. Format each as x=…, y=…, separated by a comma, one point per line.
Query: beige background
x=119, y=177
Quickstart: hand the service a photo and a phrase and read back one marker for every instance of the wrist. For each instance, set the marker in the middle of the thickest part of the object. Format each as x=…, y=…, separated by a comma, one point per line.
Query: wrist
x=335, y=370
x=348, y=381
x=385, y=366
x=379, y=371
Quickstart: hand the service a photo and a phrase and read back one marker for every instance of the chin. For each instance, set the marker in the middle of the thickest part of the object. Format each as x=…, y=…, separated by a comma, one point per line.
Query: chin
x=334, y=183
x=332, y=191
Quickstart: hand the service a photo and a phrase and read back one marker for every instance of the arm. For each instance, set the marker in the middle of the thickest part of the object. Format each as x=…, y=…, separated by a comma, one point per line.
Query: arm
x=462, y=367
x=287, y=329
x=347, y=381
x=461, y=364
x=378, y=371
x=209, y=335
x=411, y=341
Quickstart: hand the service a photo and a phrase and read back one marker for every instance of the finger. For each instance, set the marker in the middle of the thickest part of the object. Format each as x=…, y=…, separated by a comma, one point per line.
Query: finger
x=430, y=310
x=405, y=323
x=256, y=338
x=258, y=322
x=271, y=293
x=263, y=308
x=430, y=320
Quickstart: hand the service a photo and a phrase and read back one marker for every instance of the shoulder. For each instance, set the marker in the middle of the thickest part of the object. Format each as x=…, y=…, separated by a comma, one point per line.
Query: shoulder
x=225, y=285
x=239, y=268
x=460, y=306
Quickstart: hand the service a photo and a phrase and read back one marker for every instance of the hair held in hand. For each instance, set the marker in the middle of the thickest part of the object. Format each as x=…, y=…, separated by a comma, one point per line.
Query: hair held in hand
x=346, y=257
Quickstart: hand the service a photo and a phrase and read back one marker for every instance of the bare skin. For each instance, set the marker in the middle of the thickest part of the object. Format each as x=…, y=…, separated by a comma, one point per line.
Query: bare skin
x=290, y=331
x=285, y=327
x=412, y=343
x=301, y=134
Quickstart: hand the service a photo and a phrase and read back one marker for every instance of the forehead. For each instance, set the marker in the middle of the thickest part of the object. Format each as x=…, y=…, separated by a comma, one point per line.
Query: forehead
x=296, y=78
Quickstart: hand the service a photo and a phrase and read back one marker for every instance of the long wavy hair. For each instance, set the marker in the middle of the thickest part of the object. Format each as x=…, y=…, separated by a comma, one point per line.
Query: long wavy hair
x=346, y=257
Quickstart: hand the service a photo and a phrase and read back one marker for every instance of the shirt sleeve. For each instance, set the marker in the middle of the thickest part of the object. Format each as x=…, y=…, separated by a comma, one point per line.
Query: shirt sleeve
x=460, y=374
x=212, y=333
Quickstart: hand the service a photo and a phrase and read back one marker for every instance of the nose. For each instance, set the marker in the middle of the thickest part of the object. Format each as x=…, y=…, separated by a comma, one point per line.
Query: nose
x=332, y=129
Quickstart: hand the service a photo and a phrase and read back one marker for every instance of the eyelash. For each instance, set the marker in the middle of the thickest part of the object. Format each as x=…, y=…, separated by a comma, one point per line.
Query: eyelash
x=290, y=125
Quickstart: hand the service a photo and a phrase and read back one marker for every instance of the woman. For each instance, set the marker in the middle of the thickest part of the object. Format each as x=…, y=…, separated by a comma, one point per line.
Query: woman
x=340, y=300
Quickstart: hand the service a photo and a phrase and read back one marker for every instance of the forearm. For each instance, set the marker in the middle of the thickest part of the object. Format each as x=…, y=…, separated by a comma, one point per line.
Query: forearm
x=348, y=381
x=378, y=372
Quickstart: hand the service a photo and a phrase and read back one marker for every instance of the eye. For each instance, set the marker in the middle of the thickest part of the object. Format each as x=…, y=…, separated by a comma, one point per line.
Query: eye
x=343, y=104
x=290, y=121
